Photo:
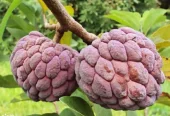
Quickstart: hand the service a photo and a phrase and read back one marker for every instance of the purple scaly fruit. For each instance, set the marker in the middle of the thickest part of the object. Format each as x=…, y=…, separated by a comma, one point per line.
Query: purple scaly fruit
x=44, y=69
x=121, y=71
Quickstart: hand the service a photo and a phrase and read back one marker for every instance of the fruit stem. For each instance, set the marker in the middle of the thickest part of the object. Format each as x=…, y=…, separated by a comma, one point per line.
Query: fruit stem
x=146, y=112
x=67, y=22
x=47, y=25
x=59, y=31
x=56, y=107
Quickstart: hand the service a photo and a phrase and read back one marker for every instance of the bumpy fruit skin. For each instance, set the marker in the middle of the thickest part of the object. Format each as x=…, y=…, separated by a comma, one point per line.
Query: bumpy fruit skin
x=43, y=69
x=122, y=70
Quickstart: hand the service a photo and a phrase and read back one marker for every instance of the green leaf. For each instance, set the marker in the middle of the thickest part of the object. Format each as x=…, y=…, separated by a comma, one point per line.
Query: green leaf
x=5, y=68
x=21, y=24
x=160, y=43
x=152, y=17
x=7, y=82
x=81, y=44
x=78, y=104
x=162, y=33
x=81, y=94
x=43, y=6
x=165, y=52
x=74, y=43
x=67, y=112
x=131, y=113
x=160, y=22
x=21, y=97
x=22, y=108
x=70, y=10
x=126, y=18
x=66, y=39
x=46, y=114
x=13, y=5
x=17, y=33
x=164, y=99
x=161, y=37
x=166, y=68
x=28, y=11
x=100, y=111
x=3, y=57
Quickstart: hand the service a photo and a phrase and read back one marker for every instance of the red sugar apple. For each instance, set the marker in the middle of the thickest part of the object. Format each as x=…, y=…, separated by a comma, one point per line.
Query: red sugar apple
x=44, y=69
x=122, y=70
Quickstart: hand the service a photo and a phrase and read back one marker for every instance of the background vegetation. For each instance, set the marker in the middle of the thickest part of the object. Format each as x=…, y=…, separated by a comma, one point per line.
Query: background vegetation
x=19, y=17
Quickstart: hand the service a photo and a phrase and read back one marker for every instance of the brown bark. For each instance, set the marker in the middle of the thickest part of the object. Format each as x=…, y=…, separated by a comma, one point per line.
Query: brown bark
x=67, y=22
x=59, y=33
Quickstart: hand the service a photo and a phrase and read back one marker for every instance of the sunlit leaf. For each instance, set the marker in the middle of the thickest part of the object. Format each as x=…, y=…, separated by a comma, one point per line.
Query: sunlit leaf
x=165, y=52
x=166, y=67
x=22, y=108
x=152, y=17
x=70, y=10
x=131, y=19
x=5, y=68
x=162, y=33
x=149, y=20
x=131, y=113
x=43, y=5
x=164, y=99
x=161, y=37
x=162, y=43
x=21, y=97
x=160, y=22
x=66, y=39
x=13, y=5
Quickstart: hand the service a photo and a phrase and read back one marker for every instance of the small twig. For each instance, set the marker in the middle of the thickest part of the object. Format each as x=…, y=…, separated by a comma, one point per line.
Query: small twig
x=56, y=107
x=59, y=31
x=146, y=112
x=67, y=22
x=47, y=25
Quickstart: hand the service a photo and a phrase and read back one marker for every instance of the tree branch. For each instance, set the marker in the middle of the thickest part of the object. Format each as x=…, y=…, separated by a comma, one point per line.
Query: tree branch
x=67, y=22
x=47, y=25
x=59, y=33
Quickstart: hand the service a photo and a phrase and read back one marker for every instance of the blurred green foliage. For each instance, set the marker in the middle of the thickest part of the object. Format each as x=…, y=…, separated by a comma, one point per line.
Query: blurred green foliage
x=25, y=18
x=90, y=13
x=146, y=23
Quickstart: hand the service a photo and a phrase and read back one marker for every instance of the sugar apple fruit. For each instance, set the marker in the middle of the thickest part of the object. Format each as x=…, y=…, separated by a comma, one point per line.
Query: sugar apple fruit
x=43, y=69
x=122, y=70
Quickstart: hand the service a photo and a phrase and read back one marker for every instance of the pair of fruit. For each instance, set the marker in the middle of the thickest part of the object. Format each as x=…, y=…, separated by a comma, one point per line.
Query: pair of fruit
x=122, y=70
